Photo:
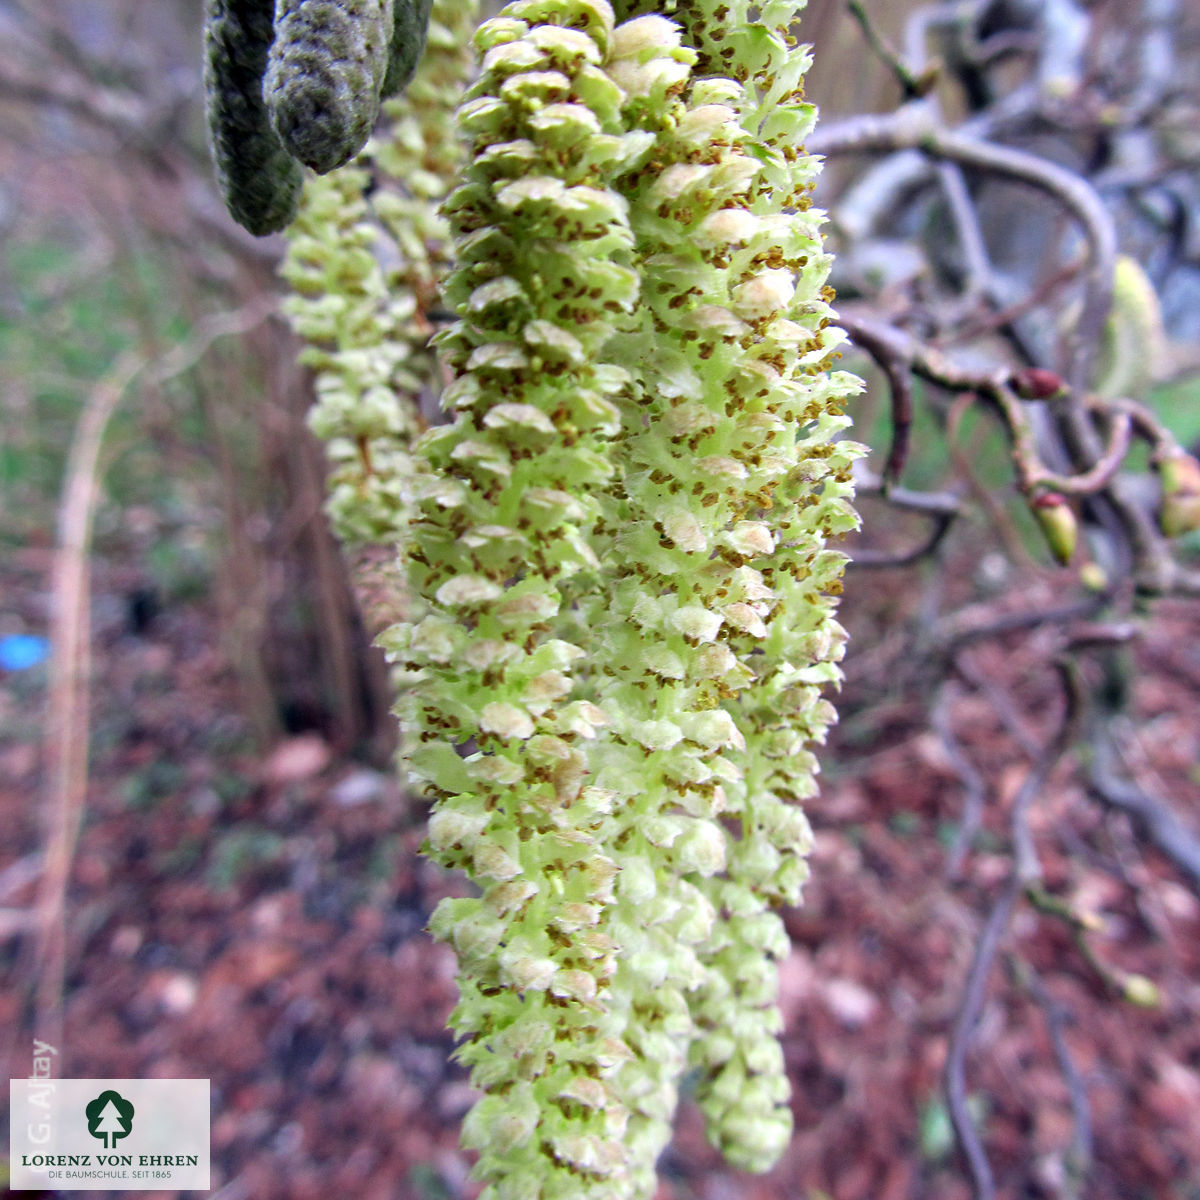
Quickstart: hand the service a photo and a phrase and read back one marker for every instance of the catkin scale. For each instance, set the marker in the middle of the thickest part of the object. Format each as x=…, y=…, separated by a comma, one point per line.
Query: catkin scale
x=409, y=30
x=324, y=76
x=259, y=179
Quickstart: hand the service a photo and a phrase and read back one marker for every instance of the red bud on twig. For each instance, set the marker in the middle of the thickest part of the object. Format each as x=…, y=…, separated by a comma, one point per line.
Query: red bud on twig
x=1036, y=383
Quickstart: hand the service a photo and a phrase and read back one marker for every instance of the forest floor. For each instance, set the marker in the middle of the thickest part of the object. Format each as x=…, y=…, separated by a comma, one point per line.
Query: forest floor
x=256, y=918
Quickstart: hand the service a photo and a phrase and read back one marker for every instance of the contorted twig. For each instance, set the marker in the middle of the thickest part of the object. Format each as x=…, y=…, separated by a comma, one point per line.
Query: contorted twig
x=1026, y=870
x=1150, y=813
x=941, y=508
x=899, y=131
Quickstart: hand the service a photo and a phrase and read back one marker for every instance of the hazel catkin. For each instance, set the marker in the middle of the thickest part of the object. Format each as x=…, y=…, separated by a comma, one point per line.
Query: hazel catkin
x=259, y=179
x=324, y=75
x=410, y=27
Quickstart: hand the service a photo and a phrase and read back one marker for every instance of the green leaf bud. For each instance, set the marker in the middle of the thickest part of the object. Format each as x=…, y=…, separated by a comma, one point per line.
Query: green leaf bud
x=1142, y=992
x=1058, y=523
x=1179, y=474
x=1133, y=347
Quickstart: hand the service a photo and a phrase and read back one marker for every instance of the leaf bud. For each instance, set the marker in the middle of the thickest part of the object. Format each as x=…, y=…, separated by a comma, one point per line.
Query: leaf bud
x=1140, y=991
x=1093, y=577
x=1059, y=526
x=1179, y=474
x=1036, y=383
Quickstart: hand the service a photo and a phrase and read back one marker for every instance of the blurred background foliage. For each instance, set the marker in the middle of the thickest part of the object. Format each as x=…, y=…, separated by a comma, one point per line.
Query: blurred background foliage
x=115, y=241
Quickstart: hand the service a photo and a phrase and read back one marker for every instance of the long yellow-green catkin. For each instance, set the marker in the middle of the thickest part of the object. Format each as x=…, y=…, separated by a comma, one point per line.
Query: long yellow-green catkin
x=259, y=179
x=415, y=163
x=366, y=256
x=618, y=550
x=736, y=480
x=324, y=77
x=363, y=342
x=497, y=722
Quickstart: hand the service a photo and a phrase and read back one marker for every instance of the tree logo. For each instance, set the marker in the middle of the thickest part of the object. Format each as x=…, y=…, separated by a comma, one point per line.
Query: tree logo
x=109, y=1117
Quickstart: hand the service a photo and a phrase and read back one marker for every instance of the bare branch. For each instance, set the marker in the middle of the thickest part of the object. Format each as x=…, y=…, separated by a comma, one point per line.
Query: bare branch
x=68, y=718
x=974, y=785
x=974, y=993
x=942, y=508
x=889, y=356
x=977, y=265
x=1026, y=869
x=1151, y=814
x=1080, y=1154
x=68, y=721
x=900, y=131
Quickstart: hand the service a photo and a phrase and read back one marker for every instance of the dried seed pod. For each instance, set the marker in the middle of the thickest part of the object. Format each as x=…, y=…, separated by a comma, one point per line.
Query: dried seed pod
x=409, y=30
x=324, y=76
x=259, y=179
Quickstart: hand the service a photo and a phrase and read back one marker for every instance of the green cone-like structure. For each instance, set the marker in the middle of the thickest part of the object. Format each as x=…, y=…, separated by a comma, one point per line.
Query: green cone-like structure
x=365, y=348
x=409, y=31
x=365, y=323
x=259, y=179
x=618, y=553
x=497, y=722
x=325, y=74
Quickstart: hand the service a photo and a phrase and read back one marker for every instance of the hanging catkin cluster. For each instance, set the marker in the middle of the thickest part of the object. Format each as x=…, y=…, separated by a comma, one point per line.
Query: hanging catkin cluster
x=299, y=81
x=497, y=722
x=733, y=482
x=618, y=555
x=365, y=254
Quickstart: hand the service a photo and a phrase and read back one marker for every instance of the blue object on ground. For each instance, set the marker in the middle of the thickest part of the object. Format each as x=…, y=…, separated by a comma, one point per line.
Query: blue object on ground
x=20, y=651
